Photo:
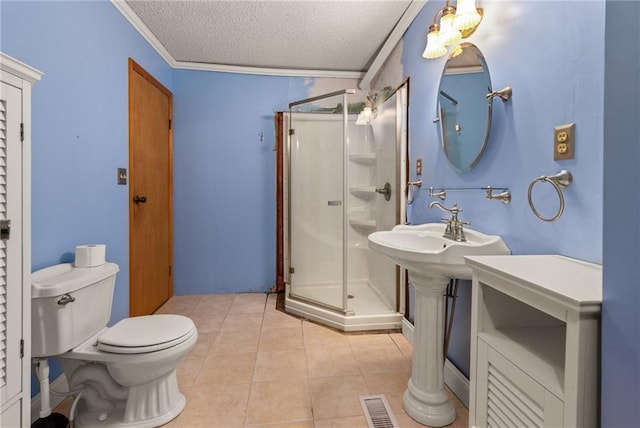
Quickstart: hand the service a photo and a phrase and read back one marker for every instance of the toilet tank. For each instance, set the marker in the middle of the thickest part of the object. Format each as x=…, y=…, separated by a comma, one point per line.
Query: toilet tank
x=69, y=305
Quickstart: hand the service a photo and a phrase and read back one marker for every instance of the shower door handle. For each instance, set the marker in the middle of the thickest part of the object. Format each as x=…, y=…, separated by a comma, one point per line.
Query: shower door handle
x=334, y=203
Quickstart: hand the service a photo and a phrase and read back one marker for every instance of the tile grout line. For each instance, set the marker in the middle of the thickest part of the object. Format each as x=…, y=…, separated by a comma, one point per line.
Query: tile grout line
x=255, y=364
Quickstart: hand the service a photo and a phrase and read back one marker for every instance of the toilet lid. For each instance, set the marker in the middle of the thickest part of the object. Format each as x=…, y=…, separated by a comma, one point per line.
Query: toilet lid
x=146, y=334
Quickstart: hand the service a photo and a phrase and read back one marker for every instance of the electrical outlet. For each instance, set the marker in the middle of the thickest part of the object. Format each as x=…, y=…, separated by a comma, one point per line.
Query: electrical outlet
x=419, y=166
x=564, y=142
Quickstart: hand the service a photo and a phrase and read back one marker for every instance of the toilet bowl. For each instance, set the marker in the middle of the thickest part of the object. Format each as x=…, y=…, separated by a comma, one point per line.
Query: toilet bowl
x=121, y=376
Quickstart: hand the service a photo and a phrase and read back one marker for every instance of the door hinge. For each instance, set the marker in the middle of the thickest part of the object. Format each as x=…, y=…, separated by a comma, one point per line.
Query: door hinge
x=169, y=270
x=292, y=131
x=21, y=348
x=21, y=132
x=5, y=229
x=292, y=270
x=169, y=123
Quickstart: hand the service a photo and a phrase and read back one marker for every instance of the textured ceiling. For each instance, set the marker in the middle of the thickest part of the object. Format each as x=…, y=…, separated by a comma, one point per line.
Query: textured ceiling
x=340, y=35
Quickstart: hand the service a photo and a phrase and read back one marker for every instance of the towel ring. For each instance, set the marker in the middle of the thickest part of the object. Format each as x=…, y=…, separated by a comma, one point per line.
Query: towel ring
x=559, y=182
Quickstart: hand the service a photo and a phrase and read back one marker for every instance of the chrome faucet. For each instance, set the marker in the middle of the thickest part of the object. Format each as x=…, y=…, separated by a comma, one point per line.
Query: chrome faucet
x=455, y=226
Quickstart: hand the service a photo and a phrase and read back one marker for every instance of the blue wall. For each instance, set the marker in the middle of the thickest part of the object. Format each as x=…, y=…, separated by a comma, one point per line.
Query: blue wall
x=559, y=81
x=224, y=179
x=620, y=315
x=80, y=125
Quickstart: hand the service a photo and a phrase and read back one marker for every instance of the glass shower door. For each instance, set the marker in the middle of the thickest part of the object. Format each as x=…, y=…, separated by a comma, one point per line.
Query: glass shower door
x=317, y=202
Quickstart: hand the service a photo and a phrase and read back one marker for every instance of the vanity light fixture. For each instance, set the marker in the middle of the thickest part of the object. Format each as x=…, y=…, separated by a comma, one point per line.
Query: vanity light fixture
x=366, y=115
x=371, y=103
x=456, y=22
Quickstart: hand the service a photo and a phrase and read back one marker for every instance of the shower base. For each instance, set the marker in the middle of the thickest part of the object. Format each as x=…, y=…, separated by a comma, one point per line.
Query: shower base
x=366, y=309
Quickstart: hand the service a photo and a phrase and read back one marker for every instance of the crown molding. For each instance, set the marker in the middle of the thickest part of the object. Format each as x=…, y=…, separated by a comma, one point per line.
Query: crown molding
x=396, y=35
x=18, y=68
x=268, y=71
x=146, y=33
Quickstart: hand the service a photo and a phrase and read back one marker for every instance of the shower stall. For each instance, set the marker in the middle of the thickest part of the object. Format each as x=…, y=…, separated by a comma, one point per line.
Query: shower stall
x=344, y=178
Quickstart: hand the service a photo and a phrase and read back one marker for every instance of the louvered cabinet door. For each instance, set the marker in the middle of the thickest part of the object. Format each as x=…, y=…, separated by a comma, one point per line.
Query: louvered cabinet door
x=507, y=397
x=10, y=249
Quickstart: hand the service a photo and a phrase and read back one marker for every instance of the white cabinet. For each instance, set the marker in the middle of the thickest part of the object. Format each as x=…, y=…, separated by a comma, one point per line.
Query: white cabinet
x=15, y=249
x=534, y=341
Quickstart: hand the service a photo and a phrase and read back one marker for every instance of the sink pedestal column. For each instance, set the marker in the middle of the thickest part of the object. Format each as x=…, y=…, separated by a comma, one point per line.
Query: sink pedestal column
x=426, y=399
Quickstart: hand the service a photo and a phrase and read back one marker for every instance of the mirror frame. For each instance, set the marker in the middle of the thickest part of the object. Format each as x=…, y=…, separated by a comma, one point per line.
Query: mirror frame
x=463, y=169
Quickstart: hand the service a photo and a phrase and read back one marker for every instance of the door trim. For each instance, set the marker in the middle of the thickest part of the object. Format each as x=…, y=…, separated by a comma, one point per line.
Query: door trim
x=134, y=67
x=279, y=121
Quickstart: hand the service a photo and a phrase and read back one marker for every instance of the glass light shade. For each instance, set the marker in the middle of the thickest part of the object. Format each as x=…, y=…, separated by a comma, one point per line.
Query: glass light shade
x=448, y=33
x=466, y=15
x=435, y=48
x=365, y=116
x=455, y=51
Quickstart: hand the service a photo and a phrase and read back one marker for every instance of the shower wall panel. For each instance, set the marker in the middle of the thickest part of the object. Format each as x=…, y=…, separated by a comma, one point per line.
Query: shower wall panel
x=386, y=142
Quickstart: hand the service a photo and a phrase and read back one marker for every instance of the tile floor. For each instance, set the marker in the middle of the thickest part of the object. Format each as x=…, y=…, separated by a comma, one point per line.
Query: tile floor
x=255, y=366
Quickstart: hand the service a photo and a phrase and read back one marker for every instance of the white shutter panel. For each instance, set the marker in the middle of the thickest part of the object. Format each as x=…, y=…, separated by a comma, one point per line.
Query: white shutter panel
x=3, y=253
x=11, y=249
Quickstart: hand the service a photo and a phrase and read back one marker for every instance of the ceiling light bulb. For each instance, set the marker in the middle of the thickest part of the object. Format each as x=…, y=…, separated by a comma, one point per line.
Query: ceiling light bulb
x=448, y=33
x=435, y=48
x=365, y=116
x=466, y=15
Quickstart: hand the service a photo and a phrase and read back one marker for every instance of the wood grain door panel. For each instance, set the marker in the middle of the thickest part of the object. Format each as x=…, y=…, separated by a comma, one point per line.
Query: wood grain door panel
x=150, y=191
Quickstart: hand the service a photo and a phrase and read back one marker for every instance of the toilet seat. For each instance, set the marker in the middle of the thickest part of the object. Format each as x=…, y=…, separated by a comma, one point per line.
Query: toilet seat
x=144, y=334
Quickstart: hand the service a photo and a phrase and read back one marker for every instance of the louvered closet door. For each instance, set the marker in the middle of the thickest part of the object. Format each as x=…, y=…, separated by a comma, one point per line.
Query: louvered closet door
x=11, y=249
x=507, y=397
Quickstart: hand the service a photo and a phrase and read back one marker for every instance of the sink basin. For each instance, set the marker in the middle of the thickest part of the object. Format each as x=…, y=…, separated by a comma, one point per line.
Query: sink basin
x=431, y=260
x=422, y=248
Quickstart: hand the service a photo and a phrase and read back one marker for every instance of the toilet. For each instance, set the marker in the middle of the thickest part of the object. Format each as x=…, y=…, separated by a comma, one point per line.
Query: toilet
x=120, y=376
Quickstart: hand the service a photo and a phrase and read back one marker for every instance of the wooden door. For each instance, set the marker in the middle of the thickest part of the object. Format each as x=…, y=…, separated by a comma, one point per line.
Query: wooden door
x=150, y=192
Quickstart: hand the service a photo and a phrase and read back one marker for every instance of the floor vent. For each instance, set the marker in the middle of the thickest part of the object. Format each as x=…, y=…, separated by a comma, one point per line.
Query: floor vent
x=377, y=411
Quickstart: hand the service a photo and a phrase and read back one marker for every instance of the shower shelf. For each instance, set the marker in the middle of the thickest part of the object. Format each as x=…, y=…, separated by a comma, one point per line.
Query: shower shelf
x=363, y=224
x=363, y=191
x=363, y=158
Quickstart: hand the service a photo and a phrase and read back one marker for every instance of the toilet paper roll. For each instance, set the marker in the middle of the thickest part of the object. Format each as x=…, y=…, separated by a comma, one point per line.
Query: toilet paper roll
x=91, y=255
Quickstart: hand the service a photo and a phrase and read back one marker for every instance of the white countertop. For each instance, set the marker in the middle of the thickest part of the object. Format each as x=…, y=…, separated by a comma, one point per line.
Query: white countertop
x=573, y=281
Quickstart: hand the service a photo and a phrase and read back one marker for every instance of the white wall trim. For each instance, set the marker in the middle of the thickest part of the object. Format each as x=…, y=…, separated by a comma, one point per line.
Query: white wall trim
x=59, y=384
x=185, y=65
x=398, y=31
x=453, y=377
x=11, y=65
x=146, y=33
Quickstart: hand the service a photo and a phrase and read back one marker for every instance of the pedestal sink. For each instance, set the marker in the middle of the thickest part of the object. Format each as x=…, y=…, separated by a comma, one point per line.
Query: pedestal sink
x=431, y=261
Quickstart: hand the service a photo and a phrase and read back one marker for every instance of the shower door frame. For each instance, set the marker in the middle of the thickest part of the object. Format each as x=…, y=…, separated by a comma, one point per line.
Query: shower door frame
x=344, y=93
x=340, y=320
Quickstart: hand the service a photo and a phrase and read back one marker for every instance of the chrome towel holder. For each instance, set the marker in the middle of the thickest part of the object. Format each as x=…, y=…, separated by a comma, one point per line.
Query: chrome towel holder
x=559, y=181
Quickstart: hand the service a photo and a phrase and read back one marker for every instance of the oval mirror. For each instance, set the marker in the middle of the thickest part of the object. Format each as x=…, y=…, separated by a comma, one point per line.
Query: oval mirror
x=464, y=111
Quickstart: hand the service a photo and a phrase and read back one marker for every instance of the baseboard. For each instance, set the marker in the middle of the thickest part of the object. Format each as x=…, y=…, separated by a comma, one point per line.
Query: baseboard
x=59, y=384
x=453, y=377
x=457, y=382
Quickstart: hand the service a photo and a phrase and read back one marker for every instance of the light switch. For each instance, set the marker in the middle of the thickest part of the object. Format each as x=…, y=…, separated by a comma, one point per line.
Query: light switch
x=122, y=175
